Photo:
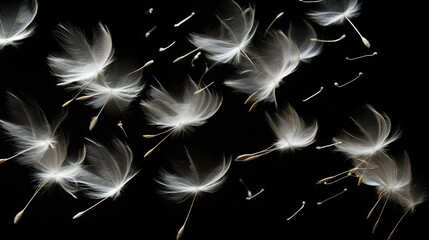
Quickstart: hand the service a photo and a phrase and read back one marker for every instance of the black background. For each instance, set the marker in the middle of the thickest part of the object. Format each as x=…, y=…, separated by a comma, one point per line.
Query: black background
x=393, y=83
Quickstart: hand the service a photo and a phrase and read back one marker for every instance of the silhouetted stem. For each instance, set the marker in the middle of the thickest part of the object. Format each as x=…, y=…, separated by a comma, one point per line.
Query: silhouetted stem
x=354, y=79
x=187, y=54
x=79, y=214
x=328, y=40
x=302, y=206
x=2, y=160
x=380, y=196
x=162, y=140
x=180, y=232
x=77, y=94
x=329, y=198
x=272, y=22
x=364, y=40
x=379, y=216
x=250, y=156
x=20, y=213
x=403, y=215
x=95, y=118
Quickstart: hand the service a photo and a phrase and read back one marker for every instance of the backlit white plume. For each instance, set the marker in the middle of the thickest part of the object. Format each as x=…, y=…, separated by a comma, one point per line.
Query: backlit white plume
x=179, y=186
x=82, y=60
x=415, y=196
x=371, y=134
x=179, y=113
x=301, y=34
x=15, y=21
x=107, y=171
x=118, y=88
x=276, y=59
x=56, y=167
x=230, y=42
x=391, y=177
x=29, y=129
x=291, y=131
x=335, y=12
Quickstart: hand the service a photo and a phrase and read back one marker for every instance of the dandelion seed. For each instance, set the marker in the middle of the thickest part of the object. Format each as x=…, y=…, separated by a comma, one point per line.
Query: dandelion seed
x=56, y=167
x=207, y=69
x=272, y=22
x=336, y=11
x=18, y=216
x=372, y=134
x=79, y=214
x=185, y=55
x=390, y=179
x=347, y=83
x=326, y=179
x=328, y=40
x=15, y=22
x=256, y=194
x=203, y=88
x=364, y=40
x=82, y=98
x=253, y=106
x=349, y=174
x=379, y=216
x=301, y=34
x=109, y=171
x=170, y=131
x=182, y=228
x=409, y=200
x=179, y=113
x=292, y=133
x=121, y=126
x=147, y=64
x=165, y=48
x=397, y=224
x=149, y=32
x=251, y=156
x=297, y=211
x=149, y=11
x=328, y=145
x=75, y=97
x=249, y=193
x=231, y=42
x=184, y=20
x=117, y=87
x=280, y=57
x=195, y=58
x=334, y=196
x=29, y=129
x=2, y=160
x=363, y=56
x=359, y=165
x=94, y=119
x=181, y=187
x=304, y=100
x=82, y=61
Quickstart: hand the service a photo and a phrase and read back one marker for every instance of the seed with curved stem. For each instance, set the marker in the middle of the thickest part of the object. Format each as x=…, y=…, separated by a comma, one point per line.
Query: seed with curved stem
x=302, y=206
x=363, y=56
x=328, y=40
x=334, y=196
x=347, y=83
